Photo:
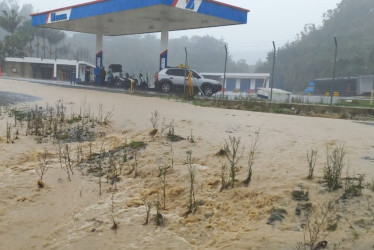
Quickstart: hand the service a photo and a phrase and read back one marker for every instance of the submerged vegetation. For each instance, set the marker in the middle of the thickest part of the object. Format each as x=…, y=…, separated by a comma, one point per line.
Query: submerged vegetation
x=52, y=122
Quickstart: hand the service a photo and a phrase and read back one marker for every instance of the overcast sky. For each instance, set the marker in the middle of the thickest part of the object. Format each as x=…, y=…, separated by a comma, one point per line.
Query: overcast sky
x=268, y=20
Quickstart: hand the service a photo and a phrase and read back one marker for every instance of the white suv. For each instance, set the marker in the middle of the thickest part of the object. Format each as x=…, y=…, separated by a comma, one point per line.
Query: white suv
x=175, y=79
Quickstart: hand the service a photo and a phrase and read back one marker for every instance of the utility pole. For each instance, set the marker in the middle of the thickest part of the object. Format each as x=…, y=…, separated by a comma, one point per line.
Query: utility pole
x=224, y=74
x=272, y=74
x=372, y=94
x=333, y=72
x=185, y=72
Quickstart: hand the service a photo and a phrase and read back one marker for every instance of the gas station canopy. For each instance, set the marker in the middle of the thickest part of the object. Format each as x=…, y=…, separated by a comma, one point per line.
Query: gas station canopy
x=124, y=17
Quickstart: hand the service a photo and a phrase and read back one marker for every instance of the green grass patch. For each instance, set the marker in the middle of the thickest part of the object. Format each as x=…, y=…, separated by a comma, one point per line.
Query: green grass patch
x=74, y=119
x=137, y=144
x=356, y=103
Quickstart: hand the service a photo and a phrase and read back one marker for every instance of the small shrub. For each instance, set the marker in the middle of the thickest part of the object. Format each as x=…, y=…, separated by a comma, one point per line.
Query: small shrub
x=312, y=159
x=115, y=224
x=136, y=163
x=353, y=186
x=171, y=133
x=317, y=222
x=41, y=184
x=192, y=207
x=333, y=167
x=8, y=132
x=74, y=119
x=234, y=154
x=155, y=120
x=251, y=158
x=225, y=183
x=162, y=175
x=43, y=164
x=79, y=154
x=171, y=156
x=370, y=185
x=163, y=126
x=370, y=209
x=299, y=194
x=124, y=156
x=159, y=219
x=100, y=172
x=68, y=161
x=60, y=152
x=192, y=140
x=148, y=211
x=153, y=132
x=16, y=135
x=39, y=139
x=113, y=171
x=221, y=152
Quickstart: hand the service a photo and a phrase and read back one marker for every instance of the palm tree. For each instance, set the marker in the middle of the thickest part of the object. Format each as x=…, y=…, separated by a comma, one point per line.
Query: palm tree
x=42, y=32
x=38, y=33
x=14, y=45
x=9, y=21
x=28, y=32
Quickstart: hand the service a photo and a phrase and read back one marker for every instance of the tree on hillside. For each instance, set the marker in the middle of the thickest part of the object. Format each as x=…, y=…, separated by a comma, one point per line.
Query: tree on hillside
x=43, y=32
x=141, y=52
x=38, y=34
x=311, y=55
x=205, y=53
x=54, y=37
x=63, y=51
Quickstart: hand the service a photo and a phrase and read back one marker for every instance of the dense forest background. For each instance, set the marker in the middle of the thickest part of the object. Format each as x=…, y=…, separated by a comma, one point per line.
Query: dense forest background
x=309, y=56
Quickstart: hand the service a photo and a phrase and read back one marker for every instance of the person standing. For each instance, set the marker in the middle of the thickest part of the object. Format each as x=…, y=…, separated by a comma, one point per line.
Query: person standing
x=102, y=75
x=110, y=76
x=87, y=74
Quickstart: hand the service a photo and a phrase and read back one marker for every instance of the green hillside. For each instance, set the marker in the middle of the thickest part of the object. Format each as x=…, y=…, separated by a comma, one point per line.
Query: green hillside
x=311, y=55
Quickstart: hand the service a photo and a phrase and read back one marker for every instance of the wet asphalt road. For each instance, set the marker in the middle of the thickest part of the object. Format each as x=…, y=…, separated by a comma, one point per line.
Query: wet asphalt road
x=9, y=98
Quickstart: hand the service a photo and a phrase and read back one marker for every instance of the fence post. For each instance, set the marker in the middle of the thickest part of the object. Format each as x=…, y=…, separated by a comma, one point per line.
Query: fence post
x=185, y=70
x=333, y=72
x=224, y=74
x=272, y=74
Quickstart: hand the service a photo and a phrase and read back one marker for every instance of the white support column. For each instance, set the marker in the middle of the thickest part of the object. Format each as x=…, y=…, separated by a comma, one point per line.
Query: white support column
x=55, y=71
x=77, y=71
x=164, y=46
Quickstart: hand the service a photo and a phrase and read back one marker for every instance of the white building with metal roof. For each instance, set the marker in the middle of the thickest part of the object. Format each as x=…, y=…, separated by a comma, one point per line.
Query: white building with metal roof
x=241, y=82
x=47, y=69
